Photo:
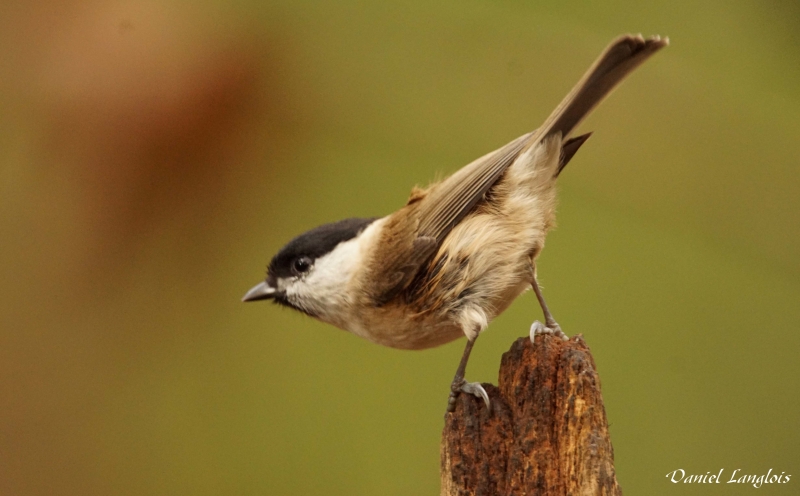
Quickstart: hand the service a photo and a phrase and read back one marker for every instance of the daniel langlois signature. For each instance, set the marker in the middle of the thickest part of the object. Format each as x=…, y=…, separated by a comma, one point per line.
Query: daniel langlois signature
x=737, y=476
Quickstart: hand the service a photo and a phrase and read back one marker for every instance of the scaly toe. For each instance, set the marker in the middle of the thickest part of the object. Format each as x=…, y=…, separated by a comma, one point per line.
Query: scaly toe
x=539, y=328
x=473, y=388
x=451, y=403
x=558, y=332
x=553, y=329
x=456, y=385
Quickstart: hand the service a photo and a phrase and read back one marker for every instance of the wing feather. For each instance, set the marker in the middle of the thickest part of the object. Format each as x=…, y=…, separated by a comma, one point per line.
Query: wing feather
x=430, y=216
x=454, y=197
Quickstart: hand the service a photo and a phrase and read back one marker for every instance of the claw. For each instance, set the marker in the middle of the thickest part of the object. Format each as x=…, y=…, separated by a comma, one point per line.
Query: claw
x=473, y=388
x=554, y=329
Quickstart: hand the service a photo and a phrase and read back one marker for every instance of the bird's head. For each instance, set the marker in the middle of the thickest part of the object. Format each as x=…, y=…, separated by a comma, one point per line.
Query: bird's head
x=311, y=272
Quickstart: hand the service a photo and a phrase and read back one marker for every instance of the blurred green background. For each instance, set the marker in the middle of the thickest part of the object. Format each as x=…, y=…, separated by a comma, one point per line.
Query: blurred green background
x=154, y=155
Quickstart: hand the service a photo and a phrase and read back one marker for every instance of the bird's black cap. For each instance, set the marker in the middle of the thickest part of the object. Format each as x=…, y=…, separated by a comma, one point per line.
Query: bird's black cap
x=316, y=243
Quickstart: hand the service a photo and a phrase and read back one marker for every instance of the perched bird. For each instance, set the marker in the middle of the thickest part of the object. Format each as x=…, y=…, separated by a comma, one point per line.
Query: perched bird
x=461, y=250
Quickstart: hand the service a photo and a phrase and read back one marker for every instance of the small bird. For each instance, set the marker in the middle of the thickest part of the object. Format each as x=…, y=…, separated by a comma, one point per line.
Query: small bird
x=459, y=251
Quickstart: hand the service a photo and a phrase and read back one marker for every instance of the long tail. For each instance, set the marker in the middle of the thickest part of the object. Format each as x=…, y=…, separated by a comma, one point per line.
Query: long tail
x=446, y=203
x=618, y=60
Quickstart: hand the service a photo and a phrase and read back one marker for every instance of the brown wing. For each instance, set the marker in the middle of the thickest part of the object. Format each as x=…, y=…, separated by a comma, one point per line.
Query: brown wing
x=452, y=199
x=402, y=244
x=432, y=216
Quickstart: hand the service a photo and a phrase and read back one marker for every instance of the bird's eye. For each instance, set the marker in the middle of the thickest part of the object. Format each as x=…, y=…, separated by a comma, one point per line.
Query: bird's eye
x=301, y=265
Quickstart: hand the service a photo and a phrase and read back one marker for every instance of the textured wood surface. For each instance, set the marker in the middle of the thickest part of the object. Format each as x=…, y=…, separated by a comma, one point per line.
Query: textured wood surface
x=546, y=434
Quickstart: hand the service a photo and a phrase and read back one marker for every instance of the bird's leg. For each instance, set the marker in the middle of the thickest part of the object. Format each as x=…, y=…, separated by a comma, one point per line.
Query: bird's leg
x=460, y=385
x=550, y=325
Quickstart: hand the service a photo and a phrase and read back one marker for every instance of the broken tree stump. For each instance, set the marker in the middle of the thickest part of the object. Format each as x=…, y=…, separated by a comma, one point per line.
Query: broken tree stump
x=546, y=434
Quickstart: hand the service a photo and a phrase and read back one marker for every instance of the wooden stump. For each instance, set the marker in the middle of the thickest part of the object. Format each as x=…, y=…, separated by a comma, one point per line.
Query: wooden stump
x=547, y=432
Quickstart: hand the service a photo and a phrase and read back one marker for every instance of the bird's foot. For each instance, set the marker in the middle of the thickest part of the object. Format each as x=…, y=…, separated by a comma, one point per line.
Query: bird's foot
x=462, y=386
x=552, y=328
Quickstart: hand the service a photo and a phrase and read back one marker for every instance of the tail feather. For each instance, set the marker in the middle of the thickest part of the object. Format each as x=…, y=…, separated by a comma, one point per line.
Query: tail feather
x=620, y=58
x=569, y=149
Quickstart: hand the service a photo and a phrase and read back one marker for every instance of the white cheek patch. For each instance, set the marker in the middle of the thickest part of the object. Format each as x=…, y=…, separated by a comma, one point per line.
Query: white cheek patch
x=323, y=290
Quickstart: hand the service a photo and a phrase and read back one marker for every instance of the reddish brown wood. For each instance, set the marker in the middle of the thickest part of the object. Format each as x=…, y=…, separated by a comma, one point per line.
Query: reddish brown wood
x=547, y=433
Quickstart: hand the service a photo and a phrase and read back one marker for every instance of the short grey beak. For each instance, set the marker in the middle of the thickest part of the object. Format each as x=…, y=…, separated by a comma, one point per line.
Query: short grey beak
x=261, y=291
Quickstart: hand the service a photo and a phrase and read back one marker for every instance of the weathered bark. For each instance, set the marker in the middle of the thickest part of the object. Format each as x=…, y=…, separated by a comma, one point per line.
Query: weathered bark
x=546, y=434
